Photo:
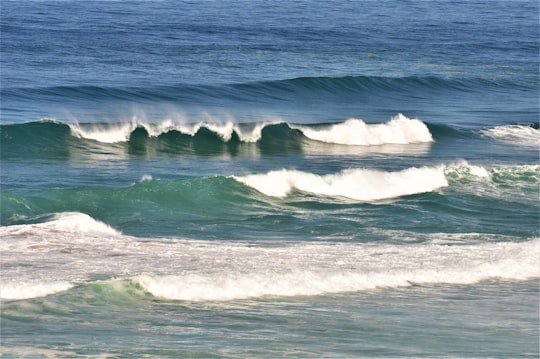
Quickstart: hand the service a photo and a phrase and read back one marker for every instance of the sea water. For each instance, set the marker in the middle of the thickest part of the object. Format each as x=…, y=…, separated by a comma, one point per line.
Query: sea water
x=261, y=179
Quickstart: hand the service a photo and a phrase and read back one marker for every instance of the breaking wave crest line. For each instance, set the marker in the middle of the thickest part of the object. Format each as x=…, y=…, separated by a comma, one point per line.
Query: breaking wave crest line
x=399, y=130
x=372, y=185
x=121, y=132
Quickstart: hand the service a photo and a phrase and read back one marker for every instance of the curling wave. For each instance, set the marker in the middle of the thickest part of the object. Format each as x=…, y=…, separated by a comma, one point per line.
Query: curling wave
x=399, y=130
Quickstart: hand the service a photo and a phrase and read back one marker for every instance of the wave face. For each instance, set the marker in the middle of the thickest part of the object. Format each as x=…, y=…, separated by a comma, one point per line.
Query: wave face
x=223, y=270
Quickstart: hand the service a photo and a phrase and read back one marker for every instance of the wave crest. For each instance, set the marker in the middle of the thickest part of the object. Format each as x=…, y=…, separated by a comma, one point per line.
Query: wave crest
x=399, y=130
x=356, y=184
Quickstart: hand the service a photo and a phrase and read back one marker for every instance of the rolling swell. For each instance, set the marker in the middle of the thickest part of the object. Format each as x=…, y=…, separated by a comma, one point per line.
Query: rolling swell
x=263, y=91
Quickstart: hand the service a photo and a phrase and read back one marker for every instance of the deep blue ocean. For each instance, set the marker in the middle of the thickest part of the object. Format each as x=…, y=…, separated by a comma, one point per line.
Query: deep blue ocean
x=266, y=179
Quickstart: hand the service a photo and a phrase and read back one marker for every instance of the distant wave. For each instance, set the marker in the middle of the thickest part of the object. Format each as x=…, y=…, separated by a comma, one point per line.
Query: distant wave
x=194, y=270
x=49, y=136
x=399, y=130
x=262, y=91
x=55, y=138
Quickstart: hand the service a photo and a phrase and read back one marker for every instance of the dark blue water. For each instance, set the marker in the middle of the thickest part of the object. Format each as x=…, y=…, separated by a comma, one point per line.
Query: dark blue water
x=268, y=179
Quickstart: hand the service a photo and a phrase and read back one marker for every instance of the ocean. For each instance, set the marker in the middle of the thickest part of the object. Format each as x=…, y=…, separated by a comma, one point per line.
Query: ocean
x=266, y=179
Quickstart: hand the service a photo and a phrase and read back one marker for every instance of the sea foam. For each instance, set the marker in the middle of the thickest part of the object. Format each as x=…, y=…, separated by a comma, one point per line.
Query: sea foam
x=356, y=184
x=399, y=130
x=363, y=268
x=11, y=291
x=516, y=134
x=48, y=258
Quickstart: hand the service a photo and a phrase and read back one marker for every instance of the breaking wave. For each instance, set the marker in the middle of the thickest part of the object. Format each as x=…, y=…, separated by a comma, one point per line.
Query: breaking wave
x=524, y=135
x=356, y=184
x=196, y=270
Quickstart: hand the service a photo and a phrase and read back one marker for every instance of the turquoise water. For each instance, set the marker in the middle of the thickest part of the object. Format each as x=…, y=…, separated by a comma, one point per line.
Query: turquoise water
x=269, y=179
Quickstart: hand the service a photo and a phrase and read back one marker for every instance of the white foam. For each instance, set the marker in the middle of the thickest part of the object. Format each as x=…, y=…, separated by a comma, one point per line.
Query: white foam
x=399, y=130
x=72, y=222
x=107, y=134
x=518, y=183
x=357, y=184
x=462, y=169
x=515, y=134
x=79, y=223
x=12, y=291
x=146, y=178
x=246, y=133
x=346, y=268
x=121, y=132
x=43, y=259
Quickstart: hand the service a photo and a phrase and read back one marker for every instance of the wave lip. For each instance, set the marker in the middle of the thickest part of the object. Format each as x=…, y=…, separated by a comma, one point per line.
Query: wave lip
x=356, y=184
x=399, y=130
